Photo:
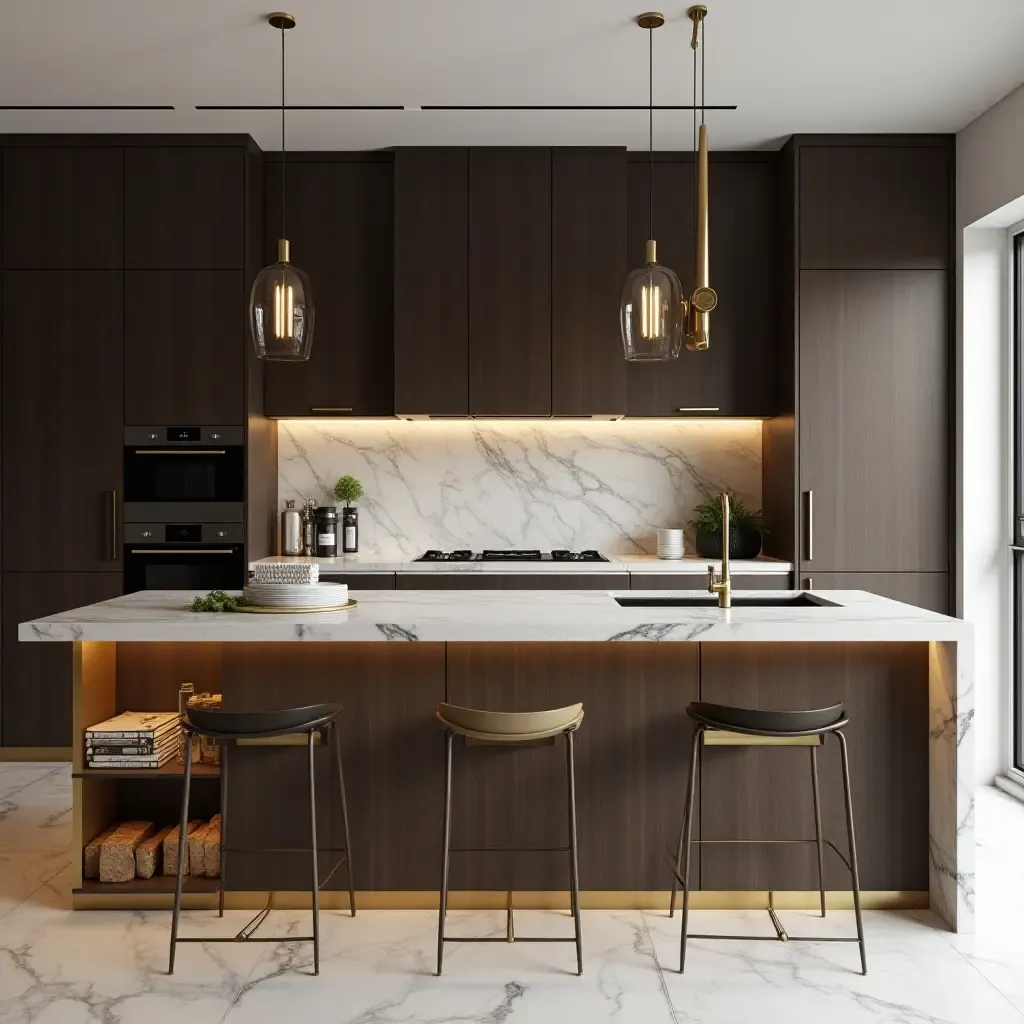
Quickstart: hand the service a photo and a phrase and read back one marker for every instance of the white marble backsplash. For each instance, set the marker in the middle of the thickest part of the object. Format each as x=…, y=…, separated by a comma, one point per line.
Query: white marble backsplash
x=537, y=484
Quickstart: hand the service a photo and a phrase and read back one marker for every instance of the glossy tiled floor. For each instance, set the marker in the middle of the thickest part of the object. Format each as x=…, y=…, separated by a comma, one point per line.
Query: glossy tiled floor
x=108, y=968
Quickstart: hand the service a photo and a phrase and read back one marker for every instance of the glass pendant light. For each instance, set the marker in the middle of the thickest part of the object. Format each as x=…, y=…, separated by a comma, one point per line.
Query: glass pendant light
x=651, y=311
x=281, y=301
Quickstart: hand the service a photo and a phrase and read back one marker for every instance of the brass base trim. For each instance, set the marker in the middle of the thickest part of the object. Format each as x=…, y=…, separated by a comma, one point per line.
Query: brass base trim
x=35, y=754
x=592, y=899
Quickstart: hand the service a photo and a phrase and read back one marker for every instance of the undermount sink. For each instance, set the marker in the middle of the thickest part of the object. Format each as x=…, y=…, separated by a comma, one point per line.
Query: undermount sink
x=798, y=600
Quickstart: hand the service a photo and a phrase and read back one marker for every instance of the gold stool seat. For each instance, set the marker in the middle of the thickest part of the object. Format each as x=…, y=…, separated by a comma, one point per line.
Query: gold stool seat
x=509, y=726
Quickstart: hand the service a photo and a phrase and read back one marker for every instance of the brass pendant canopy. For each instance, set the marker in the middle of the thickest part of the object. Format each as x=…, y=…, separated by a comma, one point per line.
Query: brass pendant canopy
x=651, y=307
x=281, y=300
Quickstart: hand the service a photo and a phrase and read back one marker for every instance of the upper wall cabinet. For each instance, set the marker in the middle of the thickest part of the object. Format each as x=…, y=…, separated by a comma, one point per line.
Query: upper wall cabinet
x=184, y=207
x=341, y=228
x=63, y=207
x=431, y=282
x=588, y=248
x=510, y=282
x=737, y=374
x=875, y=207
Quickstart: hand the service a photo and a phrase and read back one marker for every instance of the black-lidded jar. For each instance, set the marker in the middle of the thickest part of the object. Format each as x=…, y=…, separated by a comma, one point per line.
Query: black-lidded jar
x=350, y=528
x=327, y=531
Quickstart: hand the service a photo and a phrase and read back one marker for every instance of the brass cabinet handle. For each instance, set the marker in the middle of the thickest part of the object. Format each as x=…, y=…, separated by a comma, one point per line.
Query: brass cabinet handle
x=180, y=551
x=331, y=408
x=113, y=526
x=180, y=451
x=808, y=583
x=698, y=408
x=809, y=499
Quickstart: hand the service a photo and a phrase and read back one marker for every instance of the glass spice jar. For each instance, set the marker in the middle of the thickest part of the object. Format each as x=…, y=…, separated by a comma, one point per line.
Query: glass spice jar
x=209, y=748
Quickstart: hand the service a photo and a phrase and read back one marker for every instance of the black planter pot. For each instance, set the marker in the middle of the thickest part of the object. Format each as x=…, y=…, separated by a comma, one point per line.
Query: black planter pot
x=743, y=543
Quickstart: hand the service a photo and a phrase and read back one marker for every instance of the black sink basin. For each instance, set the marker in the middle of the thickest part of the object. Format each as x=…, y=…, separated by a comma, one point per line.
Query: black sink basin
x=796, y=600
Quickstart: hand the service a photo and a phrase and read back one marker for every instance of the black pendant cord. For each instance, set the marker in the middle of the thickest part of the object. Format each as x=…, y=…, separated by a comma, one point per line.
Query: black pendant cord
x=284, y=162
x=650, y=130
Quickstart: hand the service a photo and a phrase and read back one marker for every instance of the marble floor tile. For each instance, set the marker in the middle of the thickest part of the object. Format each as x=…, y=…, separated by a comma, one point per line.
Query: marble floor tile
x=37, y=816
x=14, y=776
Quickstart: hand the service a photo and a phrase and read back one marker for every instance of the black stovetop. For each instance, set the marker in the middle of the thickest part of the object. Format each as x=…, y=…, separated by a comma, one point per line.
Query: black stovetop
x=514, y=555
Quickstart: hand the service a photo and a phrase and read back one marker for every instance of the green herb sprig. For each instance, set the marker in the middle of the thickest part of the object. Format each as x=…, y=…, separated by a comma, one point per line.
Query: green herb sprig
x=707, y=516
x=216, y=601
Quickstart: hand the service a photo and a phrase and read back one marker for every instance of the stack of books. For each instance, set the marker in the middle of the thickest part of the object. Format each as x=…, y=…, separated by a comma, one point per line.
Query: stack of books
x=135, y=739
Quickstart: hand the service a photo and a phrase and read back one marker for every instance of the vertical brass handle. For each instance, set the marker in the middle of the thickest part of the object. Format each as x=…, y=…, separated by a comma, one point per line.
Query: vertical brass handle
x=809, y=498
x=113, y=525
x=808, y=583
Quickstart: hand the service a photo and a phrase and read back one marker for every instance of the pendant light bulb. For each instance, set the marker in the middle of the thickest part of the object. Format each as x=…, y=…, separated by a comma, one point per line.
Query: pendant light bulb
x=651, y=309
x=281, y=300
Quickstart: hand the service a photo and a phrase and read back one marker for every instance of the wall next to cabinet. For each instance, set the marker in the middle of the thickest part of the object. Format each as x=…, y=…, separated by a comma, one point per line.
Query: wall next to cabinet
x=544, y=484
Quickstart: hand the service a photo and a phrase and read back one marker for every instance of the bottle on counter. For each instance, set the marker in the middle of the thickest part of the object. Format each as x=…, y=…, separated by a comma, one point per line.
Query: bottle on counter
x=185, y=694
x=291, y=530
x=327, y=531
x=350, y=530
x=309, y=527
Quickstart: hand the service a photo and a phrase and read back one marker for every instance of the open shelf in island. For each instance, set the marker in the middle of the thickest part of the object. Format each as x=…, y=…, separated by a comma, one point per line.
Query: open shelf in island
x=171, y=770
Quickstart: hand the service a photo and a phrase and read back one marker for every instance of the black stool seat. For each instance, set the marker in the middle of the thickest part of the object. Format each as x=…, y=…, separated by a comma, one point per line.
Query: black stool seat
x=768, y=723
x=257, y=724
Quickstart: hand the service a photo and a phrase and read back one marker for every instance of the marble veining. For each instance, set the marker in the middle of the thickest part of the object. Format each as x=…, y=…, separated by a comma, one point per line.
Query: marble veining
x=535, y=484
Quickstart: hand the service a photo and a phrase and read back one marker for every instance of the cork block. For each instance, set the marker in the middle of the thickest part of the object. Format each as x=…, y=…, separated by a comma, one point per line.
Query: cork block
x=171, y=849
x=197, y=851
x=91, y=854
x=148, y=854
x=117, y=851
x=211, y=848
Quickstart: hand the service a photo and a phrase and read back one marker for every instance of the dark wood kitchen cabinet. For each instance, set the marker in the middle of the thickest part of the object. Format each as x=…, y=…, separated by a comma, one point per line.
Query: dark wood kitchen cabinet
x=588, y=267
x=510, y=282
x=184, y=347
x=35, y=685
x=695, y=581
x=738, y=374
x=432, y=282
x=63, y=207
x=62, y=410
x=512, y=581
x=341, y=228
x=923, y=589
x=184, y=207
x=874, y=420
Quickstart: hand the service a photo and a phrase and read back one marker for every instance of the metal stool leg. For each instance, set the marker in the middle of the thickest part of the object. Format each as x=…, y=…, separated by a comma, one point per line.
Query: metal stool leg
x=446, y=847
x=182, y=840
x=854, y=871
x=223, y=821
x=691, y=788
x=314, y=884
x=574, y=878
x=817, y=827
x=679, y=864
x=336, y=738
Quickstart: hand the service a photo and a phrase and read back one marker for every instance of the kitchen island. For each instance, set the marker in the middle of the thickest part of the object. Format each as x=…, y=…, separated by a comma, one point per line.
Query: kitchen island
x=904, y=674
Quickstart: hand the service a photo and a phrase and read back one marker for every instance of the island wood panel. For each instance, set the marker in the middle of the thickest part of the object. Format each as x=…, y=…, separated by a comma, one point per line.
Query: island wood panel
x=922, y=589
x=766, y=792
x=393, y=759
x=630, y=763
x=513, y=581
x=361, y=580
x=696, y=581
x=432, y=281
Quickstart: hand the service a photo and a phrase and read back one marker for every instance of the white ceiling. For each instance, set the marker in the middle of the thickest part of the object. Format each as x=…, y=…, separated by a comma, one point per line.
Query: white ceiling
x=790, y=66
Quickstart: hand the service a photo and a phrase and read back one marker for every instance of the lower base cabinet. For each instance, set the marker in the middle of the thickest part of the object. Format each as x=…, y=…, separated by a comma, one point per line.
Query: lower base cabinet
x=362, y=580
x=36, y=678
x=692, y=581
x=924, y=589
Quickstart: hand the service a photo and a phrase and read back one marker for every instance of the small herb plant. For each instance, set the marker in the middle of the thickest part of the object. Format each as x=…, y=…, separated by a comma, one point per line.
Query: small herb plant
x=707, y=516
x=348, y=489
x=216, y=601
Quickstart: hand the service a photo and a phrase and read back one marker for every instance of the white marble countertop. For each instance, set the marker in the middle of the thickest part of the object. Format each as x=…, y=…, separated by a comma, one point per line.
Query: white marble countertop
x=691, y=564
x=445, y=615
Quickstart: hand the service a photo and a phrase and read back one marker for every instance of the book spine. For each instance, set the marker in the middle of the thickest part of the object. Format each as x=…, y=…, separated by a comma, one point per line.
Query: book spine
x=125, y=759
x=143, y=734
x=121, y=750
x=127, y=762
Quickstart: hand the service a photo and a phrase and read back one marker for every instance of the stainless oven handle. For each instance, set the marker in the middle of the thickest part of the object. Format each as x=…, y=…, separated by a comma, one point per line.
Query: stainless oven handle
x=180, y=451
x=180, y=551
x=113, y=526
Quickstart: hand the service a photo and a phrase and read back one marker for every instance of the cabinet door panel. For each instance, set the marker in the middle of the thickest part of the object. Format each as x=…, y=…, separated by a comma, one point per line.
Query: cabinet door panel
x=588, y=244
x=36, y=682
x=63, y=207
x=510, y=282
x=874, y=420
x=694, y=581
x=362, y=580
x=874, y=207
x=185, y=207
x=923, y=589
x=432, y=282
x=184, y=347
x=62, y=412
x=765, y=792
x=340, y=224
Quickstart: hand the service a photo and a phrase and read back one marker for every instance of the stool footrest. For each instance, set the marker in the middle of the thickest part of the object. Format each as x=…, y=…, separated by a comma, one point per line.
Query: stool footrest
x=509, y=849
x=497, y=938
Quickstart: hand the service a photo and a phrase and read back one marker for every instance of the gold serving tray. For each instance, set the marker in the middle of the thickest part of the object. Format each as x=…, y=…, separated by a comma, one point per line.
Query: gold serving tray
x=258, y=609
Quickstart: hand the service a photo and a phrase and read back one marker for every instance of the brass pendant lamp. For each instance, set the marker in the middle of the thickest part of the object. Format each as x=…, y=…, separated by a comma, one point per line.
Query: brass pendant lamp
x=697, y=310
x=281, y=301
x=651, y=309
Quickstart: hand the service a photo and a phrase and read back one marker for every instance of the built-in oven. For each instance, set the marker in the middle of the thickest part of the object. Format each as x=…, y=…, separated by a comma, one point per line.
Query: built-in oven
x=184, y=474
x=184, y=556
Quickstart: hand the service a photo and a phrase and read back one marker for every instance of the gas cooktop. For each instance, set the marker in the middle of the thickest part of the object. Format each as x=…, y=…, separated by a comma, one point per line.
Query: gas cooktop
x=514, y=555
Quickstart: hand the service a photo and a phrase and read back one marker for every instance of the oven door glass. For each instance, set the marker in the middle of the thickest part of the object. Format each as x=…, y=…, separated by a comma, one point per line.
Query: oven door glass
x=184, y=474
x=217, y=567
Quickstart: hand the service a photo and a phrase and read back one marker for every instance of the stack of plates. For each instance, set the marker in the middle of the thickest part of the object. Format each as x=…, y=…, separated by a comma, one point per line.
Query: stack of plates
x=285, y=572
x=295, y=595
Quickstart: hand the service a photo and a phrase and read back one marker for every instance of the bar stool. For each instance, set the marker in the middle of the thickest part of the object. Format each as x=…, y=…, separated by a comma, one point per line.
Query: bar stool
x=228, y=727
x=819, y=723
x=498, y=727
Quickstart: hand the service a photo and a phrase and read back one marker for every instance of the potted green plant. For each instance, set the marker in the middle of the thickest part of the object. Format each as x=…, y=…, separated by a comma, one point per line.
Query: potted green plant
x=349, y=489
x=746, y=528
